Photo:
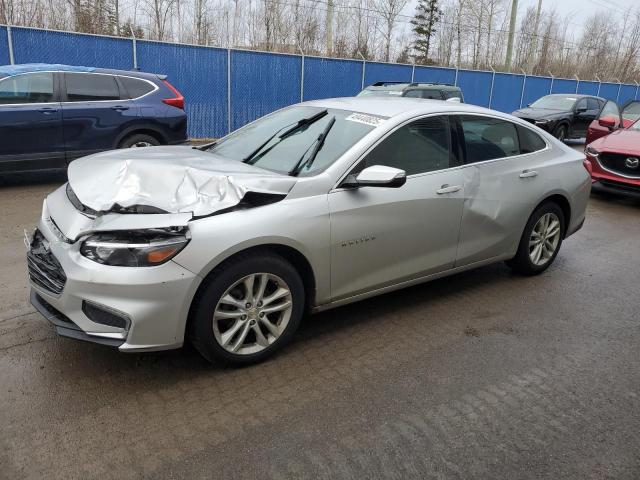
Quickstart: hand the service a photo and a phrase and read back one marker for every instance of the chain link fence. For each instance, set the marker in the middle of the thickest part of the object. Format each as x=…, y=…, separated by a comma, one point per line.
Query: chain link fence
x=227, y=88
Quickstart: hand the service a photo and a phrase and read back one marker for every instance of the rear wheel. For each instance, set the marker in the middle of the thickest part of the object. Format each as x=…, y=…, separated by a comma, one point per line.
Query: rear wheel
x=560, y=132
x=250, y=307
x=541, y=240
x=139, y=140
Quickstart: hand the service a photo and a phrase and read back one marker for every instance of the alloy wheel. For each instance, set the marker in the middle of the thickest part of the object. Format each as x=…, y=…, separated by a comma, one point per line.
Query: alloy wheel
x=544, y=239
x=141, y=144
x=252, y=313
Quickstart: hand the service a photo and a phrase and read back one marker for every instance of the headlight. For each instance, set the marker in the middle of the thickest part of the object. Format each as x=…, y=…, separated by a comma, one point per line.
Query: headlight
x=142, y=248
x=591, y=151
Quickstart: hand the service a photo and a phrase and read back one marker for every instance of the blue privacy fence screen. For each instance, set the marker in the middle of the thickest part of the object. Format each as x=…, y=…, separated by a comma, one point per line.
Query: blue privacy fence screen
x=225, y=89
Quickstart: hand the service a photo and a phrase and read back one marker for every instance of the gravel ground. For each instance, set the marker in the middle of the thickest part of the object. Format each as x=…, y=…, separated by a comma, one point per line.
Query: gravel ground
x=482, y=375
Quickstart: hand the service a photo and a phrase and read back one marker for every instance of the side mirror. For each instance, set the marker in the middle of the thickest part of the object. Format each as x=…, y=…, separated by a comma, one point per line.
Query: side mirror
x=608, y=121
x=453, y=100
x=377, y=176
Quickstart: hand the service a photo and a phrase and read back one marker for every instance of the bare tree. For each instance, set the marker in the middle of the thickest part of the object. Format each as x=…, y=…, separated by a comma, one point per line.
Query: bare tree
x=389, y=11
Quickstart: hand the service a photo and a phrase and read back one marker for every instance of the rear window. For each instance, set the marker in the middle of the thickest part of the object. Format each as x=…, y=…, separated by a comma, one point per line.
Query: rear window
x=488, y=138
x=529, y=140
x=135, y=87
x=87, y=87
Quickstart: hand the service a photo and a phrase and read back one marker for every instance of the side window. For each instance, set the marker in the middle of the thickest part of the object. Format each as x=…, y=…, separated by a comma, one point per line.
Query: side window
x=610, y=109
x=432, y=94
x=487, y=138
x=452, y=94
x=530, y=141
x=581, y=105
x=87, y=87
x=28, y=88
x=135, y=88
x=421, y=146
x=592, y=104
x=413, y=94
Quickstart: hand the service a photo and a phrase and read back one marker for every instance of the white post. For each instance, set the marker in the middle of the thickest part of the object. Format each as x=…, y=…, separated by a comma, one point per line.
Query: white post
x=578, y=82
x=524, y=84
x=635, y=97
x=599, y=85
x=552, y=79
x=301, y=74
x=493, y=78
x=455, y=80
x=135, y=49
x=364, y=66
x=619, y=88
x=228, y=90
x=10, y=43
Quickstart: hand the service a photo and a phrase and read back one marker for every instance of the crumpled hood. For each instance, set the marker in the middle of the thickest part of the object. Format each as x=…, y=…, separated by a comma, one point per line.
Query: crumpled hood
x=169, y=179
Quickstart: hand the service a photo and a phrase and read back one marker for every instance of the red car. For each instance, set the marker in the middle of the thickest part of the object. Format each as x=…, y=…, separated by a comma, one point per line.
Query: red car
x=614, y=155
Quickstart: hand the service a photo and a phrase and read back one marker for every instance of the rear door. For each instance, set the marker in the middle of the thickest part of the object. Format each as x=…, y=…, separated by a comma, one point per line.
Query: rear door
x=95, y=112
x=30, y=123
x=383, y=236
x=505, y=175
x=630, y=113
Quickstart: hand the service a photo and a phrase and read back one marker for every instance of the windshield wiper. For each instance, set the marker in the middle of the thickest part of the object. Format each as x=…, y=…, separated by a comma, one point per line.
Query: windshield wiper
x=290, y=131
x=297, y=168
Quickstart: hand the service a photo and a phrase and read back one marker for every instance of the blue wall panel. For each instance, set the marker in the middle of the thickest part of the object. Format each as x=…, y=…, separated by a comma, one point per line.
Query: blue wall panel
x=200, y=74
x=40, y=46
x=562, y=85
x=262, y=83
x=435, y=74
x=507, y=89
x=535, y=87
x=627, y=92
x=476, y=86
x=328, y=78
x=386, y=72
x=4, y=47
x=588, y=88
x=609, y=91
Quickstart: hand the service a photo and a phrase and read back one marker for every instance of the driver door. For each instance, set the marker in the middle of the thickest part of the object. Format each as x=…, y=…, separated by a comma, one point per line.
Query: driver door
x=586, y=111
x=381, y=236
x=595, y=130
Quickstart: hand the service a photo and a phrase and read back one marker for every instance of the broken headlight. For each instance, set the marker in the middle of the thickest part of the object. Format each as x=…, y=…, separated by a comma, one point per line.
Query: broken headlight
x=145, y=248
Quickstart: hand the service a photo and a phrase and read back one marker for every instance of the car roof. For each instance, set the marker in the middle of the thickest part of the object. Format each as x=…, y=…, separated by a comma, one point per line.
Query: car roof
x=389, y=106
x=573, y=95
x=397, y=86
x=11, y=70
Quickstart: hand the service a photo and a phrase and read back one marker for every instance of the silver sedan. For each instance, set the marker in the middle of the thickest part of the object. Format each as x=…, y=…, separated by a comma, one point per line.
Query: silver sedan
x=311, y=207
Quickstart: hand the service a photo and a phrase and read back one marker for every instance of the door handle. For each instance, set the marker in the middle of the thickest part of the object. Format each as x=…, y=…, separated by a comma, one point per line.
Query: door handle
x=446, y=188
x=528, y=173
x=119, y=108
x=47, y=110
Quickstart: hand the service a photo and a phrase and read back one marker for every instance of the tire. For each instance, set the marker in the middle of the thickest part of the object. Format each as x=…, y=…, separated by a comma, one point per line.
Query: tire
x=224, y=312
x=139, y=140
x=524, y=261
x=560, y=132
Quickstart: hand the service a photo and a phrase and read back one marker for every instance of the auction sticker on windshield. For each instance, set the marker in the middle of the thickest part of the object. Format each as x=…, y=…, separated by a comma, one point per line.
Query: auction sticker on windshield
x=366, y=119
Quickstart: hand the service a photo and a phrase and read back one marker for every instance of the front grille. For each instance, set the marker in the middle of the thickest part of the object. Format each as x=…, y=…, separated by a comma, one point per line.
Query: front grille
x=625, y=187
x=617, y=163
x=44, y=269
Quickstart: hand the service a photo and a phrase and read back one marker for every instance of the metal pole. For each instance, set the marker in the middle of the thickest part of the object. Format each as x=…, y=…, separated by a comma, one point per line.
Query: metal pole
x=364, y=66
x=413, y=71
x=493, y=79
x=552, y=79
x=301, y=74
x=524, y=83
x=599, y=85
x=228, y=90
x=135, y=49
x=10, y=43
x=578, y=83
x=455, y=80
x=619, y=88
x=637, y=88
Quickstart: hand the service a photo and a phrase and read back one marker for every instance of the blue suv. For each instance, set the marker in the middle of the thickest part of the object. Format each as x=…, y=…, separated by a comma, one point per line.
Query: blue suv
x=52, y=114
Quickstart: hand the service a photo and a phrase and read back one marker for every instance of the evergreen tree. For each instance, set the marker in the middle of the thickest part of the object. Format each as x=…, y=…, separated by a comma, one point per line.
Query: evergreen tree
x=424, y=22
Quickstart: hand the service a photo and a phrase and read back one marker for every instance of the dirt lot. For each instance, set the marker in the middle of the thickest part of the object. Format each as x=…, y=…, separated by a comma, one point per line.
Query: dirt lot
x=484, y=375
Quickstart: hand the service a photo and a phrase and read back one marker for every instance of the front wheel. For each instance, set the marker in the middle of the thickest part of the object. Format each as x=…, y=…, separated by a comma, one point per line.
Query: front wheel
x=139, y=140
x=250, y=307
x=561, y=132
x=541, y=240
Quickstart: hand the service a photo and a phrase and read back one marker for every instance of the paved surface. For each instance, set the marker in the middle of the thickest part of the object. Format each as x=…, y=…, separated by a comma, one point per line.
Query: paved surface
x=483, y=375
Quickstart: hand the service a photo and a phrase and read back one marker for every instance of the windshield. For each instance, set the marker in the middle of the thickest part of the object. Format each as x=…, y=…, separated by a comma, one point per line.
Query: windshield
x=555, y=102
x=380, y=93
x=263, y=144
x=632, y=112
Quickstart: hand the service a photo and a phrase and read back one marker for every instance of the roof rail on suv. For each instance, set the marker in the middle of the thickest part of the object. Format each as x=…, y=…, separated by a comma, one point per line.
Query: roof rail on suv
x=411, y=84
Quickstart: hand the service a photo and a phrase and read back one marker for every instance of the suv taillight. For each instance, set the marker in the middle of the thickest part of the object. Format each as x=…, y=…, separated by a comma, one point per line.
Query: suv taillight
x=177, y=101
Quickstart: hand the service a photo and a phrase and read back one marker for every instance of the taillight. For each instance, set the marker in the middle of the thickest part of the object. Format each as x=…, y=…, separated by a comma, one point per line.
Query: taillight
x=177, y=101
x=588, y=166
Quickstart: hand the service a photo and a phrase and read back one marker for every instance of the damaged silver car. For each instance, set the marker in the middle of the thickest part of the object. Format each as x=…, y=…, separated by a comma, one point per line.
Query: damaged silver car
x=311, y=207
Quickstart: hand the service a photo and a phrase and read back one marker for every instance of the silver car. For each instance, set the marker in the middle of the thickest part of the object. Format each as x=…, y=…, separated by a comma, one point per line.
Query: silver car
x=311, y=207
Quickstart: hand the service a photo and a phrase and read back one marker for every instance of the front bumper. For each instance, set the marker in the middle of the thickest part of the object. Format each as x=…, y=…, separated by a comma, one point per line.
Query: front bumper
x=616, y=187
x=154, y=301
